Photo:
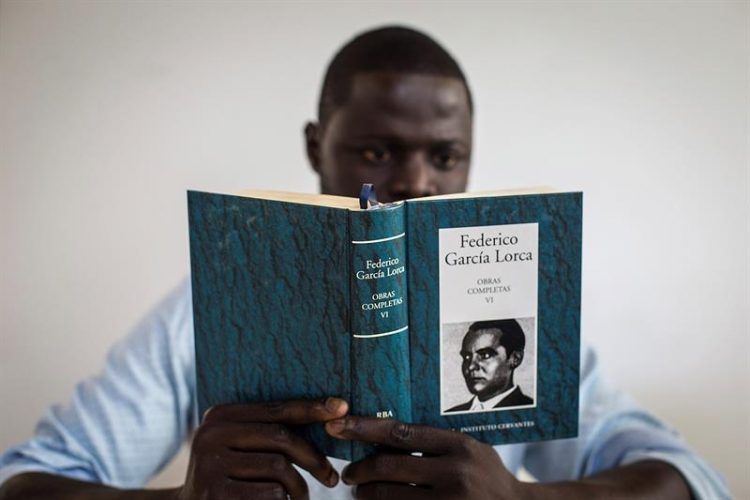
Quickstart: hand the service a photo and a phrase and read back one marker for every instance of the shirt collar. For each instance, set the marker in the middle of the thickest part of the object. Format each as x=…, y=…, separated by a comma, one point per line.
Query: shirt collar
x=477, y=405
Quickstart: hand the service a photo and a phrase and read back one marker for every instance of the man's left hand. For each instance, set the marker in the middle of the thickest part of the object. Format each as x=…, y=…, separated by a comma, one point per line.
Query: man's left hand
x=452, y=465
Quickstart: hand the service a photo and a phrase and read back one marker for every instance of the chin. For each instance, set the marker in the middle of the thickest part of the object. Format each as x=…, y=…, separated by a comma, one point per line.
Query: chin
x=476, y=390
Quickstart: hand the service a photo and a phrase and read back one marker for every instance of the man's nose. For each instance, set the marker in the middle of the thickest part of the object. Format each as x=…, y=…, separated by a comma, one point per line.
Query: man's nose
x=474, y=364
x=413, y=179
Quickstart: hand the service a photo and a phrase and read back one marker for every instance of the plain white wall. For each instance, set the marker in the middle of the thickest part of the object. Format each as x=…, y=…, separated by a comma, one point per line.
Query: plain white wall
x=110, y=111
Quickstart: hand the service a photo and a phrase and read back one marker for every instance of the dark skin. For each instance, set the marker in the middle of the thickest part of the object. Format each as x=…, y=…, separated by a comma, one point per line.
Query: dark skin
x=411, y=136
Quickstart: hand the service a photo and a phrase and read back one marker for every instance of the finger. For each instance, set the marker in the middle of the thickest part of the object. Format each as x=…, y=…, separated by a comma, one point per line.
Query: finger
x=233, y=489
x=376, y=491
x=273, y=437
x=294, y=412
x=400, y=435
x=266, y=467
x=393, y=468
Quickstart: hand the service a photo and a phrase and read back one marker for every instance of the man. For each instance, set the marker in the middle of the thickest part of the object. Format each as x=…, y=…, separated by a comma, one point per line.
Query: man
x=395, y=110
x=490, y=353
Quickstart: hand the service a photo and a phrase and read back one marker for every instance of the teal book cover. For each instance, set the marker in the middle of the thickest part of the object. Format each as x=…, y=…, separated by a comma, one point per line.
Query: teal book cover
x=459, y=312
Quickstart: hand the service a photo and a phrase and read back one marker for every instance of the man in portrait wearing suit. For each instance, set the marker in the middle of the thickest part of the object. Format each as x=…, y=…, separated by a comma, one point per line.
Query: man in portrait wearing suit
x=490, y=352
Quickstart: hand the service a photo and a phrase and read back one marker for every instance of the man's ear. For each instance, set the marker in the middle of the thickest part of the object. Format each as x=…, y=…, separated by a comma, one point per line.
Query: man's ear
x=515, y=359
x=312, y=144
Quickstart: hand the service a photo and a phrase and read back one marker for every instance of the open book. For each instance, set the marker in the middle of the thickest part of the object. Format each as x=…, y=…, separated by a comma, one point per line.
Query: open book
x=457, y=311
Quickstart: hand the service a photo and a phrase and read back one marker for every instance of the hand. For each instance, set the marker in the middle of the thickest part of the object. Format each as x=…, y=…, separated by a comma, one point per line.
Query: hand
x=247, y=451
x=453, y=465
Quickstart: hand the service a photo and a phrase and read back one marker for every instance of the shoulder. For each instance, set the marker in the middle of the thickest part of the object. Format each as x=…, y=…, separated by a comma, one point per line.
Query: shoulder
x=515, y=398
x=159, y=351
x=170, y=323
x=462, y=407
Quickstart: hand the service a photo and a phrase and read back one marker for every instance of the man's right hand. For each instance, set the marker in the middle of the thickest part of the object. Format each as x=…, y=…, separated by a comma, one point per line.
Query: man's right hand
x=247, y=451
x=240, y=451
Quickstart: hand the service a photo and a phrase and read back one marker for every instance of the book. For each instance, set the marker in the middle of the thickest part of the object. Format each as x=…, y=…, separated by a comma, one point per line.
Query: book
x=456, y=311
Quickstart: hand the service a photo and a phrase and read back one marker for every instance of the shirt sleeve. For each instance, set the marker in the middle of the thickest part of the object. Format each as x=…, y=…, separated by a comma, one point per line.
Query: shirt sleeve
x=124, y=425
x=614, y=431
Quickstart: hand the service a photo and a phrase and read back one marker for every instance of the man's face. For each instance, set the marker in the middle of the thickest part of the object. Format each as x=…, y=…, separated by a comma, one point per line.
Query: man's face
x=487, y=369
x=409, y=135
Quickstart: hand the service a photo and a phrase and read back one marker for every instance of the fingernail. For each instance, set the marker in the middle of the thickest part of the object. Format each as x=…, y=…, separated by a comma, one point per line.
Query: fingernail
x=336, y=426
x=333, y=404
x=333, y=479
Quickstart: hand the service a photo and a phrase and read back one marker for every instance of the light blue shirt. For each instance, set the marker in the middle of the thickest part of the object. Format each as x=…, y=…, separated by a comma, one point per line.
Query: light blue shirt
x=124, y=425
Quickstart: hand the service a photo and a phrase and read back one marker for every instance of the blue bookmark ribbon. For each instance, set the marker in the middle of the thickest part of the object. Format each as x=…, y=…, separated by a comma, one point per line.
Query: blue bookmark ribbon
x=367, y=197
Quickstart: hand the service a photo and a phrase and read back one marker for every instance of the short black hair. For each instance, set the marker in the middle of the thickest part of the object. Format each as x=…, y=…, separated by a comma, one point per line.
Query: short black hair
x=512, y=339
x=390, y=49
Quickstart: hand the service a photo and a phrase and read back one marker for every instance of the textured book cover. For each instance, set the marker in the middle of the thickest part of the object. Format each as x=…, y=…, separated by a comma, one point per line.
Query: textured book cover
x=456, y=312
x=480, y=266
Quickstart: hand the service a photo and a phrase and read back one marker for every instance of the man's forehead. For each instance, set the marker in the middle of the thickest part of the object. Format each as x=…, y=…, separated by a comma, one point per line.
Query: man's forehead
x=404, y=105
x=483, y=338
x=387, y=90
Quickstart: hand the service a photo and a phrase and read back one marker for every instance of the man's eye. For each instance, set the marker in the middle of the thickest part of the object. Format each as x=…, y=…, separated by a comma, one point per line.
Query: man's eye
x=485, y=355
x=376, y=156
x=445, y=160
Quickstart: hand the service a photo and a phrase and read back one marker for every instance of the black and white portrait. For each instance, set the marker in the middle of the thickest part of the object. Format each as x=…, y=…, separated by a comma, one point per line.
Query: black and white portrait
x=488, y=365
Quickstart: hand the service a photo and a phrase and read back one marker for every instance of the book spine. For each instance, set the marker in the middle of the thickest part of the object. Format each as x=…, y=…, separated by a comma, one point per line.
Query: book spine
x=380, y=370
